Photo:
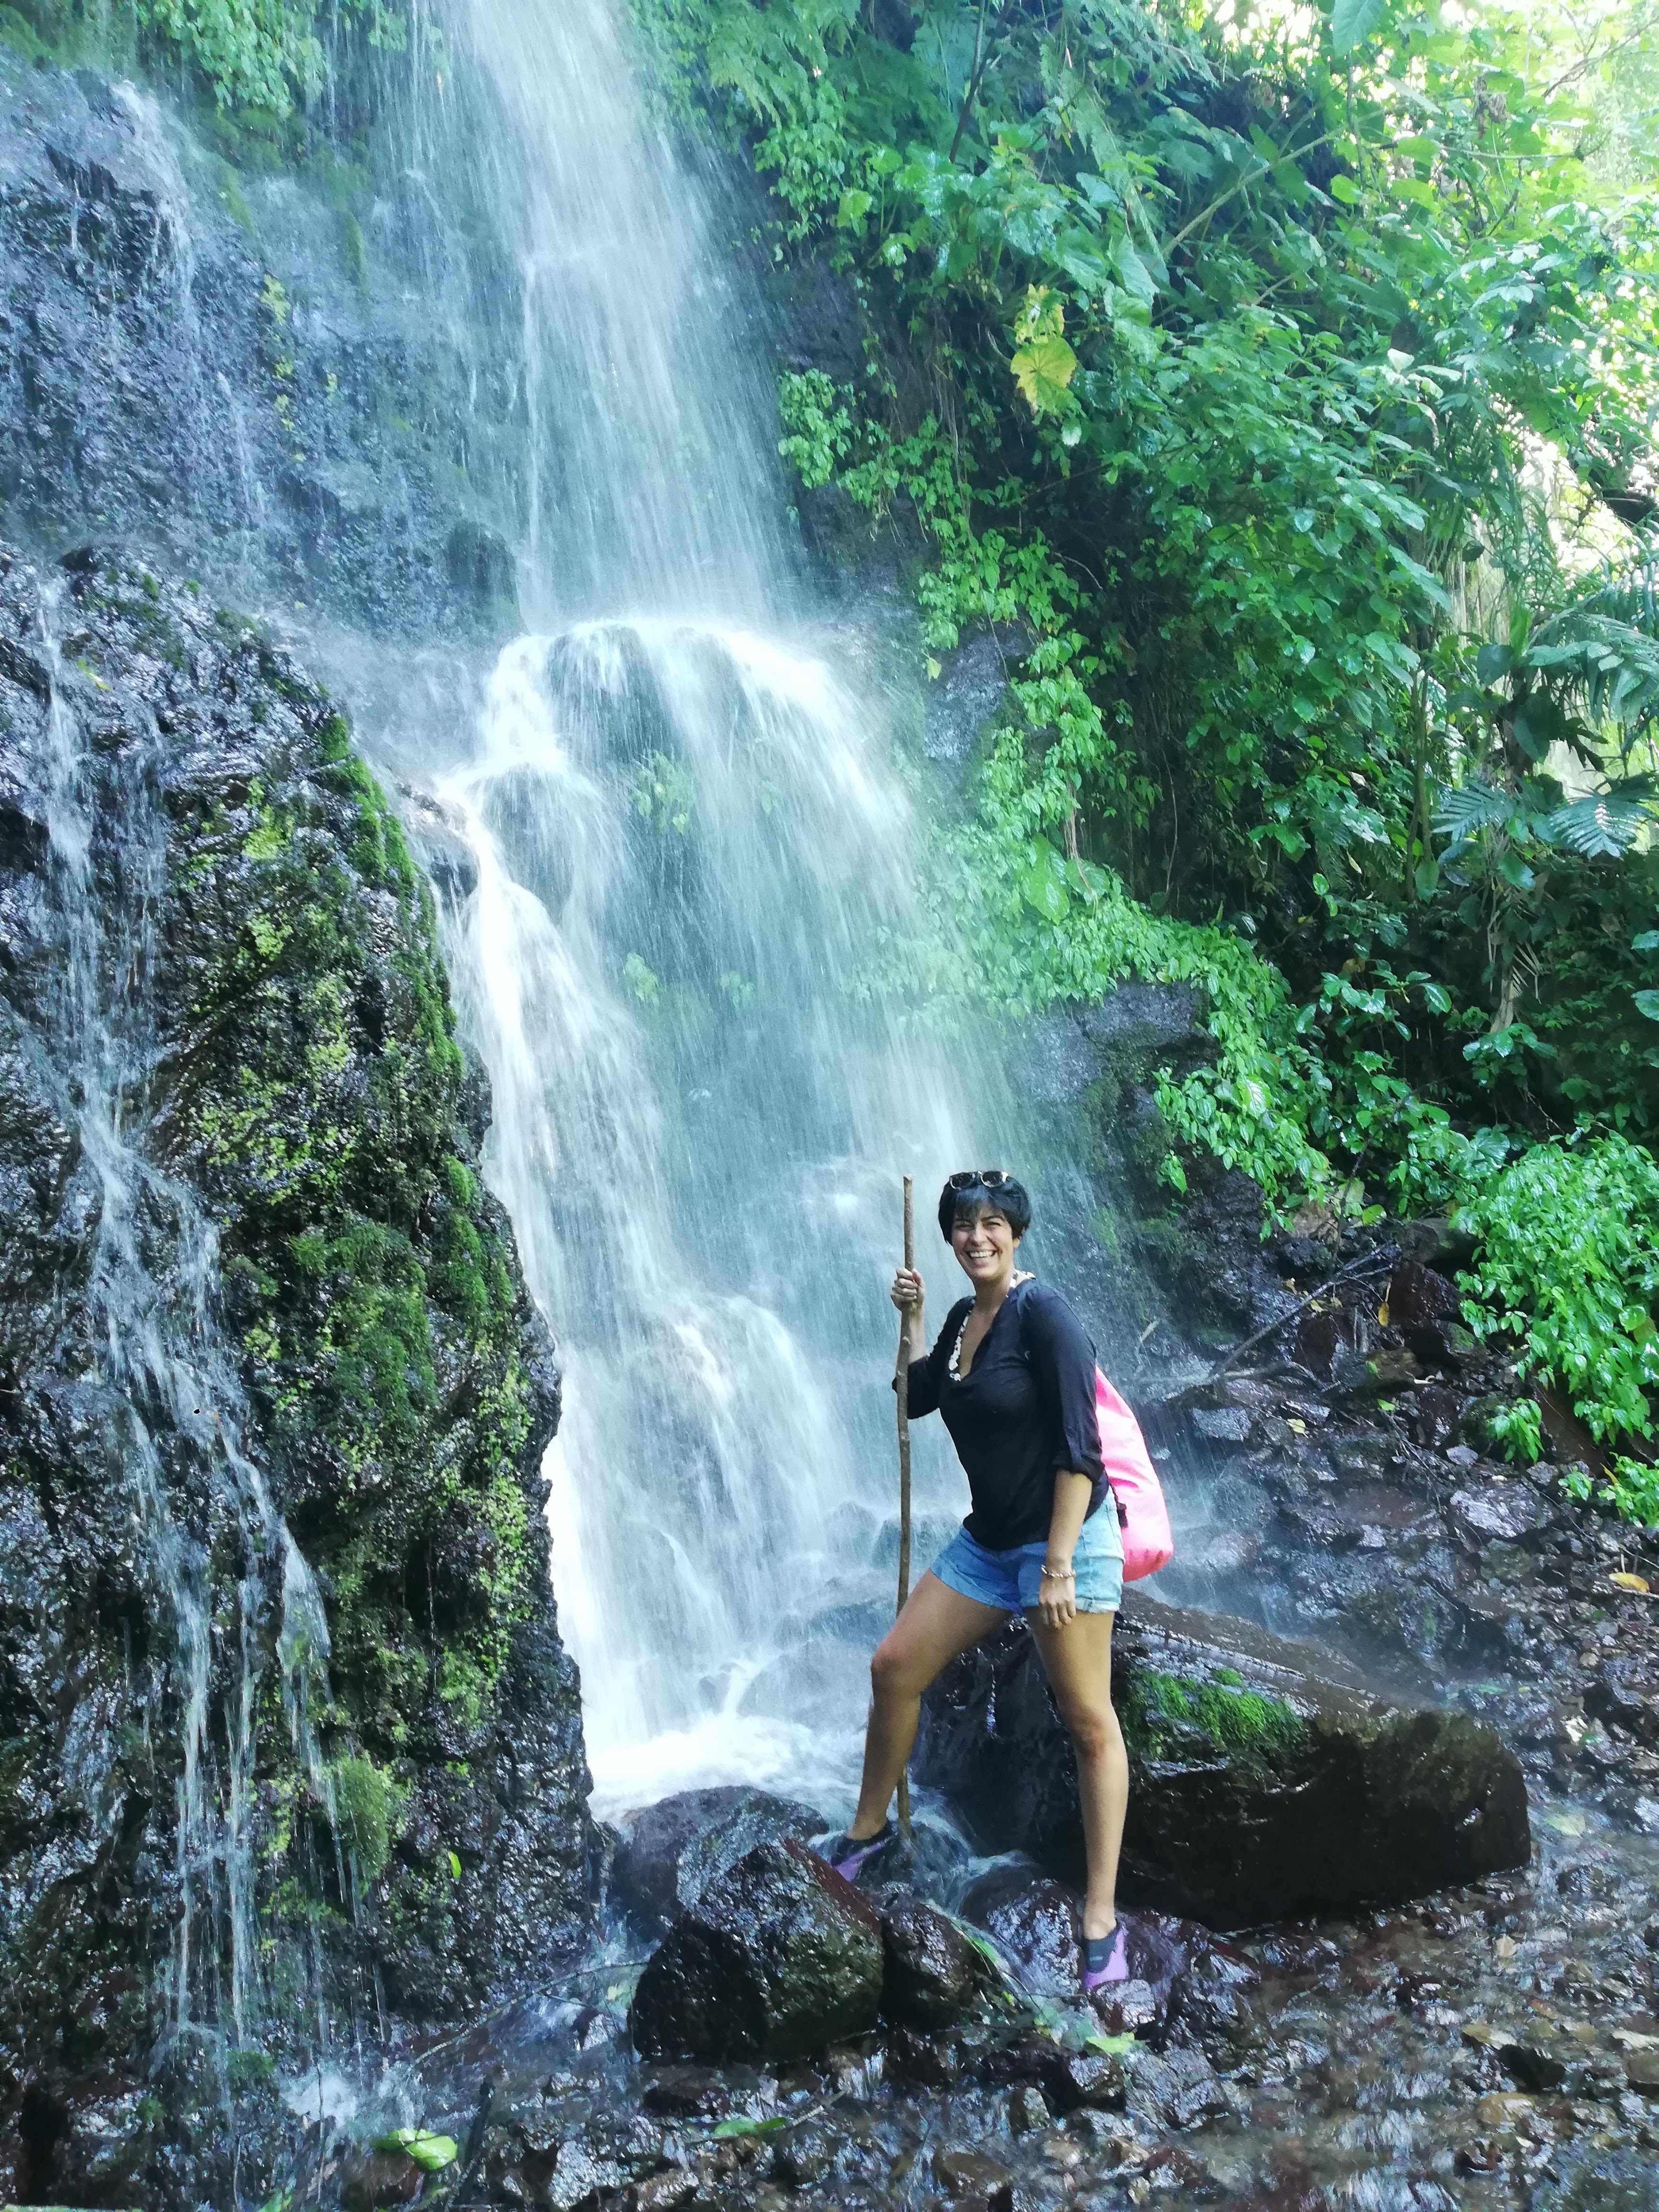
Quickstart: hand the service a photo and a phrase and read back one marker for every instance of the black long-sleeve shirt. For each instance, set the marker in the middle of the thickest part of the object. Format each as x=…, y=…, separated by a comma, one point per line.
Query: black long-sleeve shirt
x=1024, y=1410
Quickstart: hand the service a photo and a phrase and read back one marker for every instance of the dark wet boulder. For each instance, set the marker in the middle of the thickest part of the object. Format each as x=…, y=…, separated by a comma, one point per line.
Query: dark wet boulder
x=668, y=1852
x=933, y=1974
x=778, y=1956
x=1033, y=1921
x=1176, y=2089
x=1211, y=1996
x=1626, y=1691
x=969, y=2175
x=1071, y=2081
x=1264, y=1780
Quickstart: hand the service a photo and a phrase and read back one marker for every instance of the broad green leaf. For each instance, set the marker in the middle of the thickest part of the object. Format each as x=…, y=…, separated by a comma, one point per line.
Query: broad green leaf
x=741, y=2124
x=1354, y=20
x=1539, y=723
x=1044, y=885
x=1132, y=273
x=1426, y=875
x=1042, y=370
x=1647, y=942
x=1113, y=2046
x=1647, y=1002
x=1343, y=188
x=855, y=206
x=429, y=2152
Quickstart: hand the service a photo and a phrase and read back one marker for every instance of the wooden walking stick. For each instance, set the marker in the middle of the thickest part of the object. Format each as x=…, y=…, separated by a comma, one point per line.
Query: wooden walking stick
x=901, y=1390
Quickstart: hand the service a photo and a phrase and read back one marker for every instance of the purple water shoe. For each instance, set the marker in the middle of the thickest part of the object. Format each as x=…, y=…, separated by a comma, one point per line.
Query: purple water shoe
x=1105, y=1959
x=847, y=1856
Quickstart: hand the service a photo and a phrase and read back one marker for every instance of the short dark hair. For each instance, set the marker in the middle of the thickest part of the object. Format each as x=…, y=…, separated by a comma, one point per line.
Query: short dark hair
x=1008, y=1198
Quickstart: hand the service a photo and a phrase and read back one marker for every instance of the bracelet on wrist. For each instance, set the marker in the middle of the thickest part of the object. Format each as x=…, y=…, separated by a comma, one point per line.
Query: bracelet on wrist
x=1059, y=1574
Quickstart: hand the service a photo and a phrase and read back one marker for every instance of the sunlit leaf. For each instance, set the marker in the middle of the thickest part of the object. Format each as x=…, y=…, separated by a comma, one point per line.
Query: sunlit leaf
x=1354, y=20
x=1043, y=370
x=431, y=2153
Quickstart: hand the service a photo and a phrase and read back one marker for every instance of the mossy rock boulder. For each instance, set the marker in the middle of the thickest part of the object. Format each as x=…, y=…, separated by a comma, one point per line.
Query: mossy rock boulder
x=778, y=1957
x=276, y=1318
x=1264, y=1780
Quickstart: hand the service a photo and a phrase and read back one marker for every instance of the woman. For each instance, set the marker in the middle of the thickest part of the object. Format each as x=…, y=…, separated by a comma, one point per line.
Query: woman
x=1013, y=1374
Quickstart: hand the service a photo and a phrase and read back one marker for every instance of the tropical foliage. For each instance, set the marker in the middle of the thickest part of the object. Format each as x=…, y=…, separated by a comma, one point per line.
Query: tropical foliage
x=1284, y=386
x=259, y=54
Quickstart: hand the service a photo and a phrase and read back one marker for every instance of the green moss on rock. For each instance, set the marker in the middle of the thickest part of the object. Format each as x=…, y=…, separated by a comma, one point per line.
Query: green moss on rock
x=1166, y=1716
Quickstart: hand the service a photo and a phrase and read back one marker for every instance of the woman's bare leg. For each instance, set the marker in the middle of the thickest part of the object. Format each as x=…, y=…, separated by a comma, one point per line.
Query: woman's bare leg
x=1079, y=1660
x=936, y=1625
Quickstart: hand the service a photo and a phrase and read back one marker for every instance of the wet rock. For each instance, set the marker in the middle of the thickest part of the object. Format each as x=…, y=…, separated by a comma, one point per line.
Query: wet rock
x=1221, y=1425
x=290, y=1006
x=1498, y=1513
x=1212, y=1993
x=668, y=1853
x=687, y=2092
x=1262, y=1781
x=932, y=1973
x=1072, y=2081
x=1625, y=1690
x=804, y=2155
x=378, y=2178
x=1033, y=1922
x=1433, y=1416
x=970, y=686
x=969, y=2173
x=140, y=344
x=1424, y=1306
x=931, y=1862
x=1180, y=2089
x=777, y=1957
x=1530, y=2066
x=915, y=2060
x=580, y=2174
x=1027, y=2111
x=664, y=2192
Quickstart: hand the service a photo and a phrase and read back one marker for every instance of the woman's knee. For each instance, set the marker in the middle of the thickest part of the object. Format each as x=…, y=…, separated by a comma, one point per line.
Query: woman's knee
x=893, y=1671
x=1093, y=1729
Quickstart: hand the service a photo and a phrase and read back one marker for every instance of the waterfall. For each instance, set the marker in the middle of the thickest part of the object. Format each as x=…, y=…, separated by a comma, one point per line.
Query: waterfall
x=691, y=849
x=172, y=1411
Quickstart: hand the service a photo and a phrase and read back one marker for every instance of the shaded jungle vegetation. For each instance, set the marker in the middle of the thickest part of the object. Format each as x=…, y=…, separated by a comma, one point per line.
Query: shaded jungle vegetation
x=1287, y=389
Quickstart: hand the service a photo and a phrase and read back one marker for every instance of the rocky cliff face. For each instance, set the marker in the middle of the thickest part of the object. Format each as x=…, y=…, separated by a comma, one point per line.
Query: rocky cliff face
x=219, y=367
x=287, y=1721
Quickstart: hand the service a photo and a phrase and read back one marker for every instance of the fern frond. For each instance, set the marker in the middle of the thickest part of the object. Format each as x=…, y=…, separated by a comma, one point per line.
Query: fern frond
x=1465, y=809
x=1600, y=825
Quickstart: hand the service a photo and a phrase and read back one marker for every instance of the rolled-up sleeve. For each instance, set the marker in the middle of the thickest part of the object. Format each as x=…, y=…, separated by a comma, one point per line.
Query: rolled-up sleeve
x=1063, y=1363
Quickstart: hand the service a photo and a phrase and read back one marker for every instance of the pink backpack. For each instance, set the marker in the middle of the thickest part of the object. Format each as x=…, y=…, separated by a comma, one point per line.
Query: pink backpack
x=1147, y=1544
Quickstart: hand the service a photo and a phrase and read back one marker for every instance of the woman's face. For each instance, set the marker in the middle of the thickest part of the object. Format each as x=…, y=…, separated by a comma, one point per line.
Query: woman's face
x=984, y=1246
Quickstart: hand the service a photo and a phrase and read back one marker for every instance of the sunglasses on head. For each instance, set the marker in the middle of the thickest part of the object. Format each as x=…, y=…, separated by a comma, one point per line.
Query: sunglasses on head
x=973, y=1178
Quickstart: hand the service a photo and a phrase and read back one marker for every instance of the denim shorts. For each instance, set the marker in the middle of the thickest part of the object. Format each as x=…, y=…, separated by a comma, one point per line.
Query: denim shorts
x=1013, y=1580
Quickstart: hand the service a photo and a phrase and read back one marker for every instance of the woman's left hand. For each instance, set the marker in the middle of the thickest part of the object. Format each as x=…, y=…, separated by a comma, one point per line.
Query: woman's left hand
x=1057, y=1599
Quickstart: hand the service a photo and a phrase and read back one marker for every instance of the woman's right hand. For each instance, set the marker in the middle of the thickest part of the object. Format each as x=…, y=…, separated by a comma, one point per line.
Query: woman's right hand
x=907, y=1293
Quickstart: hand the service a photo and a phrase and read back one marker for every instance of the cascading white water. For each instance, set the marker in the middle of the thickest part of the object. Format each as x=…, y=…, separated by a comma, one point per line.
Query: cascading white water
x=176, y=1410
x=691, y=848
x=647, y=467
x=686, y=848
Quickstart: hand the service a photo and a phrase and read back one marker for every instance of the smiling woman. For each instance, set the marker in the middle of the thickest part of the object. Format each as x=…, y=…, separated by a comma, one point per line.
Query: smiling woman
x=1012, y=1376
